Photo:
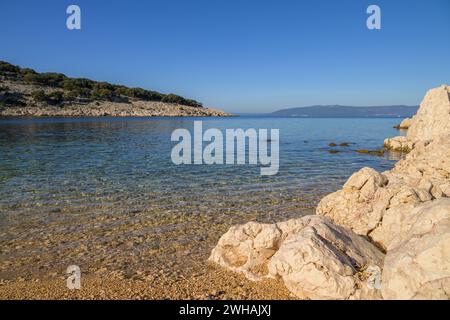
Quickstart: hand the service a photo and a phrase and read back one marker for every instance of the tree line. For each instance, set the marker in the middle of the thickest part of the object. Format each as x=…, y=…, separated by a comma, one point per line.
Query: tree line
x=73, y=89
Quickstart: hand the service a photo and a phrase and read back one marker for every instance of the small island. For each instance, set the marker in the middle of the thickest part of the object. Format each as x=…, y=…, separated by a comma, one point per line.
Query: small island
x=25, y=92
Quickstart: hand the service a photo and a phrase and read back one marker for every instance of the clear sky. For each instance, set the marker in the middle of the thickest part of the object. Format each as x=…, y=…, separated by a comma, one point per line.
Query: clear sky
x=240, y=55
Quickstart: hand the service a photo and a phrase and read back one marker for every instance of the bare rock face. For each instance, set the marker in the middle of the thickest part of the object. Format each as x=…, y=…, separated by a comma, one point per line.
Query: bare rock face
x=247, y=248
x=417, y=264
x=315, y=258
x=405, y=124
x=360, y=203
x=428, y=160
x=431, y=121
x=433, y=117
x=325, y=261
x=368, y=196
x=404, y=211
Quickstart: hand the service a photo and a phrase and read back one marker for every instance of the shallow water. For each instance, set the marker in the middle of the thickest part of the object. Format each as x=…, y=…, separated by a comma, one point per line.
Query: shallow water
x=103, y=193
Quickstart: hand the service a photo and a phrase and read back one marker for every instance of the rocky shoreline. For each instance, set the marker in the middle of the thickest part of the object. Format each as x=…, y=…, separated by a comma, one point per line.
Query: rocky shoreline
x=17, y=100
x=382, y=236
x=112, y=109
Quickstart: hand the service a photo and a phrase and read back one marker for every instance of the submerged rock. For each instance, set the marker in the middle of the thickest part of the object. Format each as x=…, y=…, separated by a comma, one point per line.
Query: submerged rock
x=379, y=153
x=399, y=143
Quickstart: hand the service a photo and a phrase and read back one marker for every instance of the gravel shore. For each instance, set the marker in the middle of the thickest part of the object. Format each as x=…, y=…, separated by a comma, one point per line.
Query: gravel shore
x=212, y=283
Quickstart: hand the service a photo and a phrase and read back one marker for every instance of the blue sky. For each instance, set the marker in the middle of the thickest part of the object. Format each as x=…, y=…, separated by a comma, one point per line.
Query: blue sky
x=241, y=56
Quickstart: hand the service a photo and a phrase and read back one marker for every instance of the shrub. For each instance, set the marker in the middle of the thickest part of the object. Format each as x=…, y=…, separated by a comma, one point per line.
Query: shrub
x=74, y=88
x=31, y=77
x=52, y=79
x=56, y=97
x=173, y=98
x=101, y=94
x=7, y=67
x=25, y=71
x=69, y=84
x=39, y=96
x=121, y=91
x=70, y=95
x=176, y=99
x=193, y=103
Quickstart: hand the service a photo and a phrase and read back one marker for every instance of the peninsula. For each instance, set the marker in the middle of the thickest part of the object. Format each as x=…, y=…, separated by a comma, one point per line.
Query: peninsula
x=25, y=92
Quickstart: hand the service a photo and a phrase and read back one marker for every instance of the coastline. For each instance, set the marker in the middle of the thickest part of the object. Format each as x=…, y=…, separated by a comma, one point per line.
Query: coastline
x=19, y=98
x=368, y=238
x=111, y=109
x=335, y=223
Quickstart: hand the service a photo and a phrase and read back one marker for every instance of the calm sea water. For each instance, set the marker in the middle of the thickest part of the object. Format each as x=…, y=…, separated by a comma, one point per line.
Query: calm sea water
x=89, y=182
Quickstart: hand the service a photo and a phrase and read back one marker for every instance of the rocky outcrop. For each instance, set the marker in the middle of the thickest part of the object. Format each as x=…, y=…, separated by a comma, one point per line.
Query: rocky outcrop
x=417, y=264
x=404, y=212
x=431, y=121
x=368, y=196
x=315, y=258
x=433, y=117
x=131, y=107
x=399, y=143
x=360, y=203
x=324, y=261
x=405, y=124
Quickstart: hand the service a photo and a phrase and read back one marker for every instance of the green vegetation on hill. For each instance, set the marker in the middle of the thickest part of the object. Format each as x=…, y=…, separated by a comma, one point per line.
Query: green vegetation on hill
x=73, y=89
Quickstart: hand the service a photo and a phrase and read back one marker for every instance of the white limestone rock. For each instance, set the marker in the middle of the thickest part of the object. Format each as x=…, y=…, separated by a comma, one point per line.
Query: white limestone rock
x=417, y=263
x=325, y=261
x=315, y=258
x=360, y=203
x=433, y=117
x=405, y=124
x=431, y=121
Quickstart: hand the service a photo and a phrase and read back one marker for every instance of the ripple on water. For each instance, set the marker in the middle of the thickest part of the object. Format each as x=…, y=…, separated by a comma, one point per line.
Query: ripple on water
x=104, y=194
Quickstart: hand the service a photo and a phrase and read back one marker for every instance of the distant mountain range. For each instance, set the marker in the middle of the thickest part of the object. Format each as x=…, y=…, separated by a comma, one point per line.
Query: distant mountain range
x=337, y=111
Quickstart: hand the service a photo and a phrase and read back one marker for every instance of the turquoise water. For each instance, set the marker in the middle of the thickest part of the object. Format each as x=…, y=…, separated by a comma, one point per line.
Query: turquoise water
x=83, y=180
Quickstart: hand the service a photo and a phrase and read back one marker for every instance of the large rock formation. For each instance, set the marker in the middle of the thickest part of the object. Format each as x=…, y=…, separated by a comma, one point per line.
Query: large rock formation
x=360, y=203
x=433, y=117
x=431, y=121
x=367, y=196
x=417, y=264
x=315, y=258
x=405, y=212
